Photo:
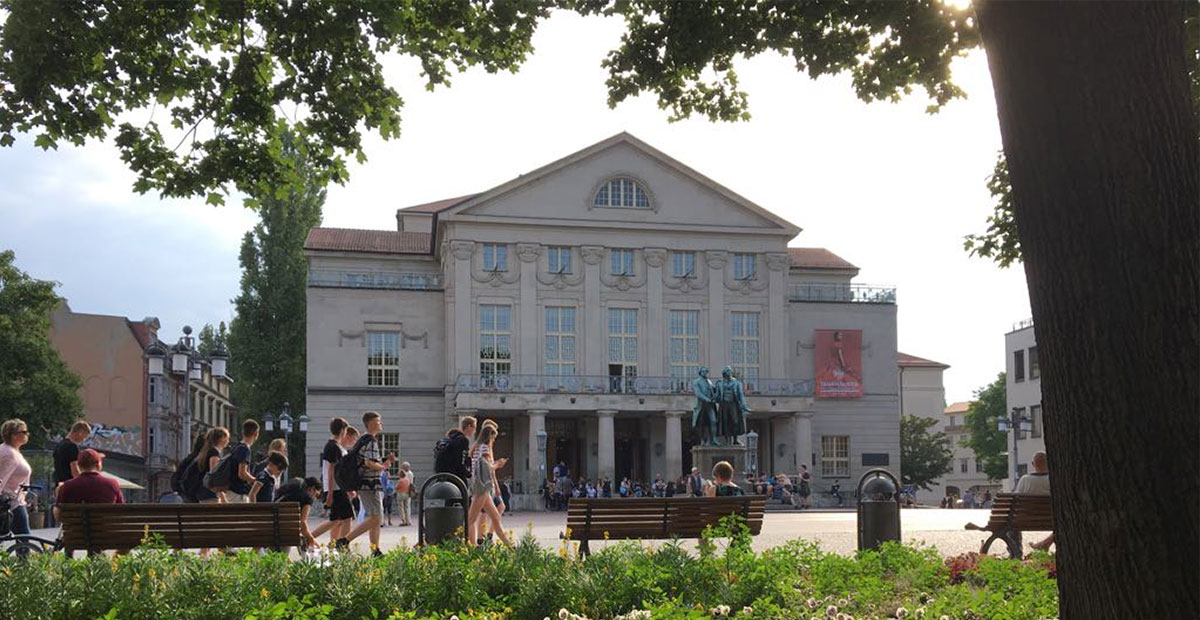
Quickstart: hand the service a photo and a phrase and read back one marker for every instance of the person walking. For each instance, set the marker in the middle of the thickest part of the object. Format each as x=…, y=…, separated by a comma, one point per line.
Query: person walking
x=267, y=480
x=389, y=495
x=214, y=442
x=451, y=455
x=65, y=455
x=337, y=501
x=370, y=493
x=804, y=490
x=14, y=472
x=484, y=486
x=239, y=461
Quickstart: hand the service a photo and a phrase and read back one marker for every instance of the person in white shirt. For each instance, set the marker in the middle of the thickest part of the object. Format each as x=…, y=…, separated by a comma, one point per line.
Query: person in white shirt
x=1037, y=482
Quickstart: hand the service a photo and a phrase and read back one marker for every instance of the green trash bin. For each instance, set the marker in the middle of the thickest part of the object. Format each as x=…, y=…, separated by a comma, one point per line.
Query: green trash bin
x=441, y=509
x=878, y=496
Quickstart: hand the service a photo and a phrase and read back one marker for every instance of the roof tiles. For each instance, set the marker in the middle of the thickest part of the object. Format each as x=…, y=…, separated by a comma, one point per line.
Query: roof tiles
x=370, y=241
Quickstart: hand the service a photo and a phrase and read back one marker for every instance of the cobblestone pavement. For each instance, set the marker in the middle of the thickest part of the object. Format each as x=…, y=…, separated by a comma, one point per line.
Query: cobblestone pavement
x=833, y=530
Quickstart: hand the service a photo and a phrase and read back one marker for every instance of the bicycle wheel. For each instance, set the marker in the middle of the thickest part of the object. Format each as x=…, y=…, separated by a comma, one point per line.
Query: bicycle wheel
x=23, y=547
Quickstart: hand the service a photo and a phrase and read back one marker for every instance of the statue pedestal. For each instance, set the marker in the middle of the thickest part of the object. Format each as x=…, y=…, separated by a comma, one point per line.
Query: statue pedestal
x=704, y=457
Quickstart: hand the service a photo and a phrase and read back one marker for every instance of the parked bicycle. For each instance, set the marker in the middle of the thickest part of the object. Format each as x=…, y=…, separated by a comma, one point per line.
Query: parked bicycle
x=21, y=544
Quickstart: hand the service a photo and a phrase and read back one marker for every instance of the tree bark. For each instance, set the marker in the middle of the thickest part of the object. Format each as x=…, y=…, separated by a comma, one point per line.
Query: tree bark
x=1102, y=147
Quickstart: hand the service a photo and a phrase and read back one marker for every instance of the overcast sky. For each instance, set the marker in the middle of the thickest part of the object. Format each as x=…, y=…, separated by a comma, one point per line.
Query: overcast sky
x=886, y=186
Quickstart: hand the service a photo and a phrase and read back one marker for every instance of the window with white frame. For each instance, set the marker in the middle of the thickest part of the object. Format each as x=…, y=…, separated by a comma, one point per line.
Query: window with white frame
x=559, y=344
x=621, y=262
x=978, y=466
x=495, y=340
x=389, y=443
x=684, y=264
x=560, y=259
x=383, y=358
x=835, y=456
x=744, y=347
x=622, y=347
x=743, y=266
x=1035, y=416
x=685, y=343
x=495, y=257
x=1035, y=367
x=962, y=465
x=621, y=192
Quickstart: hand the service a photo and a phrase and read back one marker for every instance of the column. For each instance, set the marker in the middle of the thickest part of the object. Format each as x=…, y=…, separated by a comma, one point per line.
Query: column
x=528, y=362
x=777, y=324
x=674, y=442
x=718, y=342
x=605, y=458
x=594, y=351
x=464, y=361
x=802, y=421
x=537, y=460
x=654, y=312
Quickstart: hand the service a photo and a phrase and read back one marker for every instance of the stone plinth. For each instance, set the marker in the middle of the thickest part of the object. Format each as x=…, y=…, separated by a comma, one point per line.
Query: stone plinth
x=704, y=457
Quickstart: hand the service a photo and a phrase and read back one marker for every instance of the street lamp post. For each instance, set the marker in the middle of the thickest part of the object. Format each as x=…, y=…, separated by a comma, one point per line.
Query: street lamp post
x=286, y=425
x=752, y=453
x=1015, y=424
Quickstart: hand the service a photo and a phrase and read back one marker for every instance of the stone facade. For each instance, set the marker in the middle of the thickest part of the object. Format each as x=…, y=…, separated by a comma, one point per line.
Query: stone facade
x=1023, y=391
x=579, y=299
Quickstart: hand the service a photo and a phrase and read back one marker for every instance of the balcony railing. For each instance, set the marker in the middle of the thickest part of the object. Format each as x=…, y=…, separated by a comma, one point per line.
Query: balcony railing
x=843, y=293
x=601, y=384
x=394, y=280
x=1019, y=325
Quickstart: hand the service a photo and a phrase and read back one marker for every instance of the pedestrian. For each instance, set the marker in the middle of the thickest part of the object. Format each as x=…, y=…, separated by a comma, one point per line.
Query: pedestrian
x=214, y=442
x=498, y=496
x=263, y=489
x=696, y=483
x=277, y=445
x=484, y=487
x=370, y=493
x=451, y=455
x=835, y=490
x=805, y=490
x=337, y=501
x=403, y=493
x=303, y=491
x=723, y=485
x=67, y=452
x=389, y=495
x=606, y=487
x=186, y=478
x=239, y=460
x=14, y=472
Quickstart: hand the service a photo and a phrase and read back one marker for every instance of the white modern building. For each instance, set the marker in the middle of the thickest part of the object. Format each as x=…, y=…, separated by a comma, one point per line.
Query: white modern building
x=1023, y=391
x=575, y=304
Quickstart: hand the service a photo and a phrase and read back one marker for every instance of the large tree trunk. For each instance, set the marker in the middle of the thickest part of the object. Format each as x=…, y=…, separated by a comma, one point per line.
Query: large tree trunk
x=1101, y=141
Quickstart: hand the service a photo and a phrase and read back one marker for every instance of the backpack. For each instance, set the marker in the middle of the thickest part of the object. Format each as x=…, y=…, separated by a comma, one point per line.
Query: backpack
x=447, y=459
x=347, y=472
x=180, y=470
x=221, y=477
x=192, y=479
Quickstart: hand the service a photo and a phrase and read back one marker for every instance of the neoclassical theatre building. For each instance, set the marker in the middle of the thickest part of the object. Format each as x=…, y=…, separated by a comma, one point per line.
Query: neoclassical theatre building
x=577, y=302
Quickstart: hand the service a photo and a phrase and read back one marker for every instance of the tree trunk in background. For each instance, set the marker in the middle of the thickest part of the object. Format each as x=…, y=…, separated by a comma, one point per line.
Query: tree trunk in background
x=1101, y=141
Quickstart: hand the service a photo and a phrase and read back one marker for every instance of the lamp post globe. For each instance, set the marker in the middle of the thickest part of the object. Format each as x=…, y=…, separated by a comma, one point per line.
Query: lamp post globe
x=268, y=422
x=303, y=422
x=156, y=356
x=219, y=359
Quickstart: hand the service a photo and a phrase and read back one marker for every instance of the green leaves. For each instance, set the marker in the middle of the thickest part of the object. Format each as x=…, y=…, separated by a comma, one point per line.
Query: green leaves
x=924, y=456
x=986, y=439
x=1000, y=242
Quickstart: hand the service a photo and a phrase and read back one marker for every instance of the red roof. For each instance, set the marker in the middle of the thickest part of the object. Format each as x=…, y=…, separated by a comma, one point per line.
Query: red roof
x=817, y=258
x=372, y=241
x=438, y=205
x=960, y=407
x=909, y=361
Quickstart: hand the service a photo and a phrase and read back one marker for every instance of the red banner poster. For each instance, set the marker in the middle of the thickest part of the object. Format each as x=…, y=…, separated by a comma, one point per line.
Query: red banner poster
x=838, y=360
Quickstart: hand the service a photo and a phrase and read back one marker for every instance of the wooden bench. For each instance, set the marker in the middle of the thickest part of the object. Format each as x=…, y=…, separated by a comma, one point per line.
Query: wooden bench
x=100, y=527
x=656, y=517
x=1012, y=514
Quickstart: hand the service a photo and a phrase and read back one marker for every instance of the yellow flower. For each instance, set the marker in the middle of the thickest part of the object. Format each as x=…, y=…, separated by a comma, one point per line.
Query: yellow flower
x=264, y=593
x=605, y=534
x=7, y=572
x=137, y=577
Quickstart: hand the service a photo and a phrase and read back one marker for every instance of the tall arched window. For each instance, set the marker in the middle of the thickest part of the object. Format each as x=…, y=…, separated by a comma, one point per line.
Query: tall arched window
x=621, y=192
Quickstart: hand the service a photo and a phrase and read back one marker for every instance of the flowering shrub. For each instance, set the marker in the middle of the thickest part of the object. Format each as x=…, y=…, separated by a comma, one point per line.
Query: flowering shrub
x=724, y=580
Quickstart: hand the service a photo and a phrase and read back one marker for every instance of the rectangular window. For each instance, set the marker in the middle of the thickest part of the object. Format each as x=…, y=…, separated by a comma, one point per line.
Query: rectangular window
x=1035, y=370
x=151, y=440
x=153, y=390
x=951, y=422
x=962, y=465
x=389, y=443
x=685, y=343
x=559, y=345
x=744, y=347
x=495, y=340
x=978, y=466
x=622, y=262
x=684, y=264
x=383, y=358
x=622, y=348
x=1019, y=365
x=835, y=456
x=1035, y=416
x=560, y=259
x=495, y=257
x=743, y=266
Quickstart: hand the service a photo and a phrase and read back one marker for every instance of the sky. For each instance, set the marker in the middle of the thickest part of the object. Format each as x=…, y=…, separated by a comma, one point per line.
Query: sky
x=883, y=185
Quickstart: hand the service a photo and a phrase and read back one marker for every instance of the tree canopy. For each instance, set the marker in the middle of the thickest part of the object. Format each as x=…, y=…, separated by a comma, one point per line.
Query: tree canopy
x=924, y=456
x=983, y=421
x=35, y=384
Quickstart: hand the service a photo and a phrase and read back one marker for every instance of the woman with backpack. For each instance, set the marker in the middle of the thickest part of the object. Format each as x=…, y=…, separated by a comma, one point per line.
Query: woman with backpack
x=483, y=486
x=214, y=442
x=186, y=478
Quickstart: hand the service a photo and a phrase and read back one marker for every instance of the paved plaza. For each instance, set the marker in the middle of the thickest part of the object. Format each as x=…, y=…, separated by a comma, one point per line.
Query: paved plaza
x=833, y=530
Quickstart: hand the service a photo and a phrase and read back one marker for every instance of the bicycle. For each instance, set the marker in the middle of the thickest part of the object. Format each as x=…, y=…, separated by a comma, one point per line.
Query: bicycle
x=22, y=544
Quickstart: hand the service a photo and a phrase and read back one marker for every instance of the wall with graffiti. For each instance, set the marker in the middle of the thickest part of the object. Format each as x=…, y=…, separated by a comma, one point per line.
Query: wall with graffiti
x=118, y=439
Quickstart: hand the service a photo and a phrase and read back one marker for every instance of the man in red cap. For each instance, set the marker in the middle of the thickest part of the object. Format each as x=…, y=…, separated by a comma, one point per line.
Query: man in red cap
x=89, y=487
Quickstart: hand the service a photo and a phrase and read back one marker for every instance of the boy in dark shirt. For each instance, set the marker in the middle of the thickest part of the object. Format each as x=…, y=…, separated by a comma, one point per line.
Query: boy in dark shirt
x=263, y=489
x=303, y=491
x=337, y=502
x=66, y=452
x=239, y=489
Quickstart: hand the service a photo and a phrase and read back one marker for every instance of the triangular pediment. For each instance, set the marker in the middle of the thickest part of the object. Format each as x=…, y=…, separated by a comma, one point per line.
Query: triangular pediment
x=563, y=192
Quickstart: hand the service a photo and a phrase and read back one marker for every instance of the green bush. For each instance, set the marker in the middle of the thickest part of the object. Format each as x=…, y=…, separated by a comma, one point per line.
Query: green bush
x=724, y=579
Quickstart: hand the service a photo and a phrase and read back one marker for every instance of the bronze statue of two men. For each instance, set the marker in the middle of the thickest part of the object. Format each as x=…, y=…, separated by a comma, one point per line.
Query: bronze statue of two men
x=719, y=413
